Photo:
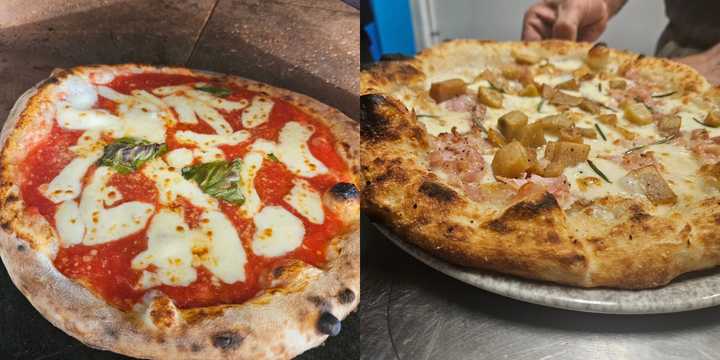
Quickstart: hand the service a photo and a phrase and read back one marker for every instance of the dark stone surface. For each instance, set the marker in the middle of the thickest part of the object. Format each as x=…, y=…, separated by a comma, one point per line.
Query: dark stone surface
x=410, y=311
x=315, y=59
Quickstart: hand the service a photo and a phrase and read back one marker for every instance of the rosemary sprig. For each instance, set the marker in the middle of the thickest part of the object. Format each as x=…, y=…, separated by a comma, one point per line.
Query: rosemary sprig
x=540, y=105
x=661, y=141
x=703, y=123
x=599, y=87
x=664, y=95
x=426, y=115
x=496, y=88
x=599, y=130
x=597, y=171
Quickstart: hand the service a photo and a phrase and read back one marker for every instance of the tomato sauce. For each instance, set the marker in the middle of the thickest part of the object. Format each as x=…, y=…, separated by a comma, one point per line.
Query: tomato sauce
x=106, y=268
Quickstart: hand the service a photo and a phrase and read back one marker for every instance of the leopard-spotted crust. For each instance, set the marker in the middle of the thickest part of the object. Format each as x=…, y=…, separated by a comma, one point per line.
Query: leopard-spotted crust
x=281, y=322
x=533, y=238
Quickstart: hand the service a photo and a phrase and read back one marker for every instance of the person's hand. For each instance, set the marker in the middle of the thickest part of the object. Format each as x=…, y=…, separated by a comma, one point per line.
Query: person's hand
x=583, y=20
x=706, y=63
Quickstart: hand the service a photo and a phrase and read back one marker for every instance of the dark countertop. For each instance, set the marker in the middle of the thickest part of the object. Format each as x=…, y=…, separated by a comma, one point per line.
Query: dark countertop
x=410, y=311
x=309, y=46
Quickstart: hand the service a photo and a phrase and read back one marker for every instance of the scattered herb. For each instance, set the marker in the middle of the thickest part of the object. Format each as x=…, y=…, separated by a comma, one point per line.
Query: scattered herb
x=661, y=141
x=599, y=87
x=126, y=155
x=496, y=88
x=217, y=91
x=597, y=171
x=608, y=107
x=272, y=157
x=599, y=130
x=703, y=123
x=426, y=116
x=219, y=179
x=664, y=95
x=540, y=105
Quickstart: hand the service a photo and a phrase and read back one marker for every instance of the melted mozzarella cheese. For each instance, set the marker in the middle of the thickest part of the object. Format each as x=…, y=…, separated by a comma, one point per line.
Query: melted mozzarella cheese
x=293, y=151
x=67, y=184
x=143, y=122
x=306, y=201
x=169, y=250
x=252, y=162
x=443, y=121
x=258, y=112
x=277, y=232
x=71, y=118
x=208, y=154
x=179, y=158
x=79, y=92
x=171, y=184
x=104, y=225
x=212, y=117
x=215, y=101
x=566, y=63
x=185, y=112
x=208, y=140
x=68, y=223
x=226, y=257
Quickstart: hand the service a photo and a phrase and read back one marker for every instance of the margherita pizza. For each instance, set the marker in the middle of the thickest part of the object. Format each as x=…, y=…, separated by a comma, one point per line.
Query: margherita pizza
x=557, y=161
x=172, y=213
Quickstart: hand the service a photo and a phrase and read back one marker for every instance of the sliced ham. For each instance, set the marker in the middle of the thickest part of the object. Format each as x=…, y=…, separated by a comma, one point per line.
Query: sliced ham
x=462, y=103
x=460, y=157
x=706, y=148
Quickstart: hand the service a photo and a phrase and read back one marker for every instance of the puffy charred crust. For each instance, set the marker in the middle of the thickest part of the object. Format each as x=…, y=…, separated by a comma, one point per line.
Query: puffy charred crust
x=438, y=192
x=346, y=296
x=522, y=211
x=344, y=191
x=328, y=324
x=227, y=340
x=375, y=113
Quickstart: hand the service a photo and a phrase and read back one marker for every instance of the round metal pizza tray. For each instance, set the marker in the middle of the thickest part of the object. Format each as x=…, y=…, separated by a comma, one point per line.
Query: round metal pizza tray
x=688, y=292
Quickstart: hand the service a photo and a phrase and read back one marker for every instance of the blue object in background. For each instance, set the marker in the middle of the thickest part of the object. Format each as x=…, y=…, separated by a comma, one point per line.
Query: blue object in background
x=392, y=29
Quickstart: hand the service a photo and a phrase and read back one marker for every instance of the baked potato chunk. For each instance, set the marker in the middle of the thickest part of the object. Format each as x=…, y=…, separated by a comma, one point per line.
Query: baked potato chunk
x=490, y=97
x=649, y=182
x=711, y=174
x=617, y=84
x=511, y=160
x=712, y=119
x=496, y=138
x=448, y=89
x=590, y=106
x=562, y=154
x=571, y=84
x=598, y=57
x=511, y=123
x=532, y=135
x=561, y=98
x=553, y=123
x=637, y=113
x=669, y=124
x=530, y=91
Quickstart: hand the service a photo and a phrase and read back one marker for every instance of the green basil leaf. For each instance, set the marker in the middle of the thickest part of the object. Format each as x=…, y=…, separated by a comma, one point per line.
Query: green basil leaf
x=272, y=157
x=217, y=91
x=219, y=179
x=126, y=155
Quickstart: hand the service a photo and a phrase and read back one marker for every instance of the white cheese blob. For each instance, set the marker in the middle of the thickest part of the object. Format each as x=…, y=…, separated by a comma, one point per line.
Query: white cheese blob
x=67, y=184
x=169, y=249
x=293, y=151
x=104, y=225
x=171, y=184
x=207, y=140
x=68, y=223
x=277, y=232
x=71, y=118
x=179, y=158
x=258, y=112
x=306, y=201
x=226, y=256
x=185, y=112
x=252, y=162
x=79, y=92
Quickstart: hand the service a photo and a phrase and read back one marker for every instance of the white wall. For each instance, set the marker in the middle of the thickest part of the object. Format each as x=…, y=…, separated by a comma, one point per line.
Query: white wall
x=637, y=26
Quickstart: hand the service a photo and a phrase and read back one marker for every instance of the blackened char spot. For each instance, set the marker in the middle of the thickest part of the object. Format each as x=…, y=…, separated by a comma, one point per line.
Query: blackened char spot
x=437, y=191
x=111, y=332
x=319, y=302
x=278, y=271
x=374, y=123
x=21, y=248
x=637, y=214
x=346, y=296
x=195, y=347
x=344, y=191
x=226, y=340
x=5, y=225
x=328, y=324
x=523, y=210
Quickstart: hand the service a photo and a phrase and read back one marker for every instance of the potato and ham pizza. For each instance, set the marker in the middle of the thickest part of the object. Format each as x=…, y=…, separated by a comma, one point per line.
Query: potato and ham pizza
x=566, y=162
x=172, y=213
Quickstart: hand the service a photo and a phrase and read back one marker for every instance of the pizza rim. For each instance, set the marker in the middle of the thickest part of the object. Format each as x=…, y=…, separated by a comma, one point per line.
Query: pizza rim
x=387, y=123
x=249, y=329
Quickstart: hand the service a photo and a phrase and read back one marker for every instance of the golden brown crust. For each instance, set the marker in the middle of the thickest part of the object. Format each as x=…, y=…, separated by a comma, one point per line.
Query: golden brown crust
x=610, y=242
x=283, y=321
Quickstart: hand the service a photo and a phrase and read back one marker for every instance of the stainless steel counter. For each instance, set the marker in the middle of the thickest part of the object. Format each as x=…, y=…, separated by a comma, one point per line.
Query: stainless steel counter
x=410, y=311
